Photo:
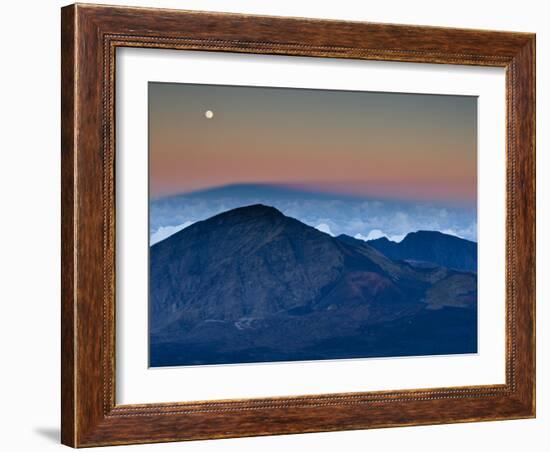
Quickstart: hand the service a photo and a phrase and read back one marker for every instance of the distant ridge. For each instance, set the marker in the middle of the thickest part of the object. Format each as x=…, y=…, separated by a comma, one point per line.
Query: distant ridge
x=260, y=191
x=431, y=246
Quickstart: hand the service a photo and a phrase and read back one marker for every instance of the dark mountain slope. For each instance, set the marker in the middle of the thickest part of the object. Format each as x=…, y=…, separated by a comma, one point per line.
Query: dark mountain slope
x=251, y=285
x=254, y=258
x=403, y=271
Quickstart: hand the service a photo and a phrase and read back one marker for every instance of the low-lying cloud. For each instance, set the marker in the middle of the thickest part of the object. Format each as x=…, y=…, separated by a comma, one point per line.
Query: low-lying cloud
x=364, y=219
x=378, y=234
x=164, y=232
x=323, y=227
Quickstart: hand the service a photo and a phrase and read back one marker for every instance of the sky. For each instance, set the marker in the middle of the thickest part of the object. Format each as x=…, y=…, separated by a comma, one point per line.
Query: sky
x=357, y=163
x=409, y=147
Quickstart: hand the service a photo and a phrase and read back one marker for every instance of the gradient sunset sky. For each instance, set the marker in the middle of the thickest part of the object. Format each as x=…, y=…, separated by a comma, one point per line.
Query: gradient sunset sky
x=376, y=145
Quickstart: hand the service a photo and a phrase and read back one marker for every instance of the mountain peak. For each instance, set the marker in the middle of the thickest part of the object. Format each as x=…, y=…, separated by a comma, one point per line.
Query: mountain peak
x=434, y=235
x=423, y=233
x=431, y=246
x=253, y=212
x=255, y=209
x=258, y=261
x=383, y=239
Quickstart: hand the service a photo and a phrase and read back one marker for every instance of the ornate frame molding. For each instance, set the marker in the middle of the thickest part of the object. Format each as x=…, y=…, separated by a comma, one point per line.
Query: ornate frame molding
x=90, y=37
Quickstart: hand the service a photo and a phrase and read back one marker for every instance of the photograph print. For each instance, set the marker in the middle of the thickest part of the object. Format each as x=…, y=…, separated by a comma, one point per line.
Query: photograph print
x=294, y=224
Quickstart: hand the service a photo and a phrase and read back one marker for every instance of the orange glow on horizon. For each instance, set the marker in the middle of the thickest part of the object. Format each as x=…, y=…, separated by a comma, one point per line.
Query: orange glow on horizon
x=366, y=144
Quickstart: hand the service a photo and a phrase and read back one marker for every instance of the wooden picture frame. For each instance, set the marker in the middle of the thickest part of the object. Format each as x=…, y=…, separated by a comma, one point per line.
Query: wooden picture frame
x=90, y=36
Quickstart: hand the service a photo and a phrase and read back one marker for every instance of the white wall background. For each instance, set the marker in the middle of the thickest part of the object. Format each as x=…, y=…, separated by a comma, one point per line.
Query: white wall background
x=29, y=181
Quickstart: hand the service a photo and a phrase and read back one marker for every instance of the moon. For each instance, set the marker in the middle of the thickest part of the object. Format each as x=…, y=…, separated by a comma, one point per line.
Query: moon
x=209, y=114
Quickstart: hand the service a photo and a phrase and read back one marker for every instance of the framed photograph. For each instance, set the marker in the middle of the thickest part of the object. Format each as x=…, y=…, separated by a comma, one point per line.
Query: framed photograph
x=282, y=225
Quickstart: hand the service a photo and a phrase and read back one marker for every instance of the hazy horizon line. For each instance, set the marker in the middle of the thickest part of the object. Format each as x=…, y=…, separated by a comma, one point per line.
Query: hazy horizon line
x=313, y=189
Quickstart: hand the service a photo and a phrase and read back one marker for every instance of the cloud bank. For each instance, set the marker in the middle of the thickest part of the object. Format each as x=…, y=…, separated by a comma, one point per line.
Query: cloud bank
x=366, y=219
x=164, y=232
